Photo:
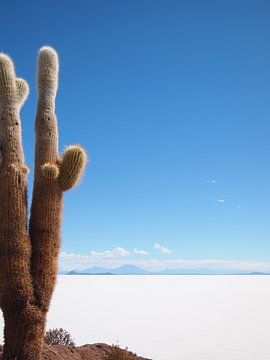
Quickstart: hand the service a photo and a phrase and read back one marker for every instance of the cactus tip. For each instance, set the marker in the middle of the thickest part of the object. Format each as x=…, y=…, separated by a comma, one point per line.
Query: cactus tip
x=50, y=171
x=25, y=169
x=7, y=75
x=6, y=61
x=22, y=90
x=48, y=57
x=72, y=167
x=78, y=149
x=6, y=66
x=48, y=66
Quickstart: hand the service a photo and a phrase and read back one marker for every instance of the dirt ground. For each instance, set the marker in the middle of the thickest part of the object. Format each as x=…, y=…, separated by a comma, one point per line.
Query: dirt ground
x=85, y=352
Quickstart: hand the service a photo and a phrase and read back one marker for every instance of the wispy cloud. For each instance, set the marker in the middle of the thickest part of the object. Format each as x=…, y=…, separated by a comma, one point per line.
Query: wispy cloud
x=108, y=254
x=140, y=252
x=219, y=200
x=70, y=261
x=162, y=249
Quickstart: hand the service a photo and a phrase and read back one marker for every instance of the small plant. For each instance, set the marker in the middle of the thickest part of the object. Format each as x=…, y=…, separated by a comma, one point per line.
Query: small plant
x=115, y=353
x=58, y=337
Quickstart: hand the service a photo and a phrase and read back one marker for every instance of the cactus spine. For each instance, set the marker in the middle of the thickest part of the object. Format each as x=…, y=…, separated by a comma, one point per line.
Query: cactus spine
x=28, y=259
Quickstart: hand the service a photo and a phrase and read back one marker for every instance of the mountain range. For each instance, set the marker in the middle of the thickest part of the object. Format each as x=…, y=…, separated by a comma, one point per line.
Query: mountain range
x=135, y=270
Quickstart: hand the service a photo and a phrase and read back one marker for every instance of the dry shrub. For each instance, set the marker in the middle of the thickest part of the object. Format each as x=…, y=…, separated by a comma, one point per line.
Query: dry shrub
x=115, y=353
x=58, y=337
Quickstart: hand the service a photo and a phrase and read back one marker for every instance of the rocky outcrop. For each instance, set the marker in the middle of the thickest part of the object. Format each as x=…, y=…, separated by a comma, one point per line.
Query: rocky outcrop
x=85, y=352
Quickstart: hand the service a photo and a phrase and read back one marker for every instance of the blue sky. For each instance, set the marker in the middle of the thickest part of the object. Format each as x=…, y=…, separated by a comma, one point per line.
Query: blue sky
x=171, y=99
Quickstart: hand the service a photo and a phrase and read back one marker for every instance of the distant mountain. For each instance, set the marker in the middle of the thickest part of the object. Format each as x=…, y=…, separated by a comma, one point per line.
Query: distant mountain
x=122, y=270
x=95, y=270
x=186, y=272
x=73, y=272
x=135, y=270
x=201, y=271
x=85, y=273
x=130, y=270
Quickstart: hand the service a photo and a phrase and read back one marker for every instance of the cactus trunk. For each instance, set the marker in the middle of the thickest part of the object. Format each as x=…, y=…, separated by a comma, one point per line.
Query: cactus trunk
x=25, y=328
x=44, y=231
x=46, y=210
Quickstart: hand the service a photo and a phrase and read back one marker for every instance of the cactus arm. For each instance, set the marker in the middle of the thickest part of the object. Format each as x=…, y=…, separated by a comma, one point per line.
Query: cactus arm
x=50, y=171
x=22, y=90
x=10, y=125
x=72, y=167
x=7, y=81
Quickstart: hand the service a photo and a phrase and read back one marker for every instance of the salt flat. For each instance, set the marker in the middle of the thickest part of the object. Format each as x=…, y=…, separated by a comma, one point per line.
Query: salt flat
x=168, y=317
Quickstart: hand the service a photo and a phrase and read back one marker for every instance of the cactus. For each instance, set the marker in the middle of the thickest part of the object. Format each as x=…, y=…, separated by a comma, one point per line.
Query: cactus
x=71, y=167
x=28, y=254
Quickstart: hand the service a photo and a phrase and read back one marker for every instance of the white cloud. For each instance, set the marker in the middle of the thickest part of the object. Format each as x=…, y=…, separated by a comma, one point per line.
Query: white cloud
x=212, y=181
x=71, y=261
x=109, y=254
x=219, y=200
x=140, y=252
x=162, y=249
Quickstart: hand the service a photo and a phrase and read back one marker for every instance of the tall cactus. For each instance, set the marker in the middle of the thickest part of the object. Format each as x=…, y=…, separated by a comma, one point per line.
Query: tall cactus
x=28, y=259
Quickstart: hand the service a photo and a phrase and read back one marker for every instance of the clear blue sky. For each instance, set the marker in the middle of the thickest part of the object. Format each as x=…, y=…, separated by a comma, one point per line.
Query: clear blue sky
x=172, y=101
